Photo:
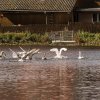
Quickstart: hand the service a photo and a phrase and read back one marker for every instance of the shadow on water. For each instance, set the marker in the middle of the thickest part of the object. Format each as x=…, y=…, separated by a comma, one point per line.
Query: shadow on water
x=52, y=79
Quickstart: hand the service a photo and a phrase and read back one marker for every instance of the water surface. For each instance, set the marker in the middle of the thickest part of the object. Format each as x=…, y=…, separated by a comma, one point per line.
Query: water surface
x=52, y=79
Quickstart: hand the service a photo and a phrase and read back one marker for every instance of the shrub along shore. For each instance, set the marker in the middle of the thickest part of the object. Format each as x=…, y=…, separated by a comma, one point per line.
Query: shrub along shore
x=87, y=39
x=26, y=38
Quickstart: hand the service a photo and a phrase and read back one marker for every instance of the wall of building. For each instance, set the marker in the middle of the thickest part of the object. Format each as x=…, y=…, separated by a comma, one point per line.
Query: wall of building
x=85, y=17
x=61, y=18
x=26, y=18
x=29, y=18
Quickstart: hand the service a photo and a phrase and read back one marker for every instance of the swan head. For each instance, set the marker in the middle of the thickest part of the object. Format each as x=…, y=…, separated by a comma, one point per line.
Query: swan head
x=2, y=52
x=64, y=49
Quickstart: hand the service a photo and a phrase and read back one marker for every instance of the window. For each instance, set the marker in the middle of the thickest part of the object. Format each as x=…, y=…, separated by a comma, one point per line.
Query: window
x=51, y=18
x=76, y=17
x=96, y=17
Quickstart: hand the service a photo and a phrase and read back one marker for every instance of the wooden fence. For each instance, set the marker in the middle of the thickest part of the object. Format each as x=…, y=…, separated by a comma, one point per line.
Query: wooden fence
x=38, y=28
x=89, y=27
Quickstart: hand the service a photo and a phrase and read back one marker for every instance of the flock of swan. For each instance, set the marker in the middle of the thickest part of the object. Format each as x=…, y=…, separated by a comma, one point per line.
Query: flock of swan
x=60, y=56
x=27, y=55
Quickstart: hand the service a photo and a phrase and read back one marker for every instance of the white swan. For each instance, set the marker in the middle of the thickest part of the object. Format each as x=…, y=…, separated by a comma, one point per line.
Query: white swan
x=58, y=53
x=29, y=54
x=80, y=55
x=14, y=54
x=2, y=55
x=22, y=56
x=18, y=54
x=23, y=52
x=44, y=57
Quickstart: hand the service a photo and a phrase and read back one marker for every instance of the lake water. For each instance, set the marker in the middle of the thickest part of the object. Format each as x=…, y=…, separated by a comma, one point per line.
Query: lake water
x=52, y=79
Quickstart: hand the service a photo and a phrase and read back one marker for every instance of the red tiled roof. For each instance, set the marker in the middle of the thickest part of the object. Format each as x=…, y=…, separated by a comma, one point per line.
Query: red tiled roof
x=37, y=5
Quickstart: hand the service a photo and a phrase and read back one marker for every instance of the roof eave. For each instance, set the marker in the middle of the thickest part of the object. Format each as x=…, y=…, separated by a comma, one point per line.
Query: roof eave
x=25, y=10
x=88, y=10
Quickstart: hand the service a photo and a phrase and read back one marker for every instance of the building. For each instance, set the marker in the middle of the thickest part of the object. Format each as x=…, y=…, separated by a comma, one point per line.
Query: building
x=28, y=12
x=87, y=11
x=48, y=12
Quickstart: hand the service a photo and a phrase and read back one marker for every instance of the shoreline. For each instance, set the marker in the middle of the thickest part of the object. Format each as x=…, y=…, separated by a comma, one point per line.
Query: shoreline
x=55, y=46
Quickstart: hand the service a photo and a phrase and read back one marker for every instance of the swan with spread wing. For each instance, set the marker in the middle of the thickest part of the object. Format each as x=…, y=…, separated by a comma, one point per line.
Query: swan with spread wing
x=29, y=54
x=24, y=55
x=58, y=53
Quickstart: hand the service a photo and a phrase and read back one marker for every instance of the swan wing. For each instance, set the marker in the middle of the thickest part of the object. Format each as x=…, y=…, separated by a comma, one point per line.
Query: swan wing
x=30, y=53
x=22, y=49
x=14, y=54
x=35, y=52
x=54, y=50
x=23, y=52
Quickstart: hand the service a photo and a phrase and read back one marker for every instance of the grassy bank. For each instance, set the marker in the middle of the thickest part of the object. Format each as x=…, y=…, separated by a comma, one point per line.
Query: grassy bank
x=27, y=38
x=24, y=39
x=87, y=39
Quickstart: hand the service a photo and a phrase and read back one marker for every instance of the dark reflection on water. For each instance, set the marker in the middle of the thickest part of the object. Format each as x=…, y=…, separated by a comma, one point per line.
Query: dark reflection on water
x=67, y=79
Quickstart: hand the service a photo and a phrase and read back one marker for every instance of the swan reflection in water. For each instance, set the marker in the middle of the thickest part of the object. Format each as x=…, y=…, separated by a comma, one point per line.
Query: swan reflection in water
x=58, y=52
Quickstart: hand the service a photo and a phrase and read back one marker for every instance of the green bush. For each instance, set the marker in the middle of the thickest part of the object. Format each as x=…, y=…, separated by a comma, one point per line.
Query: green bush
x=88, y=38
x=24, y=38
